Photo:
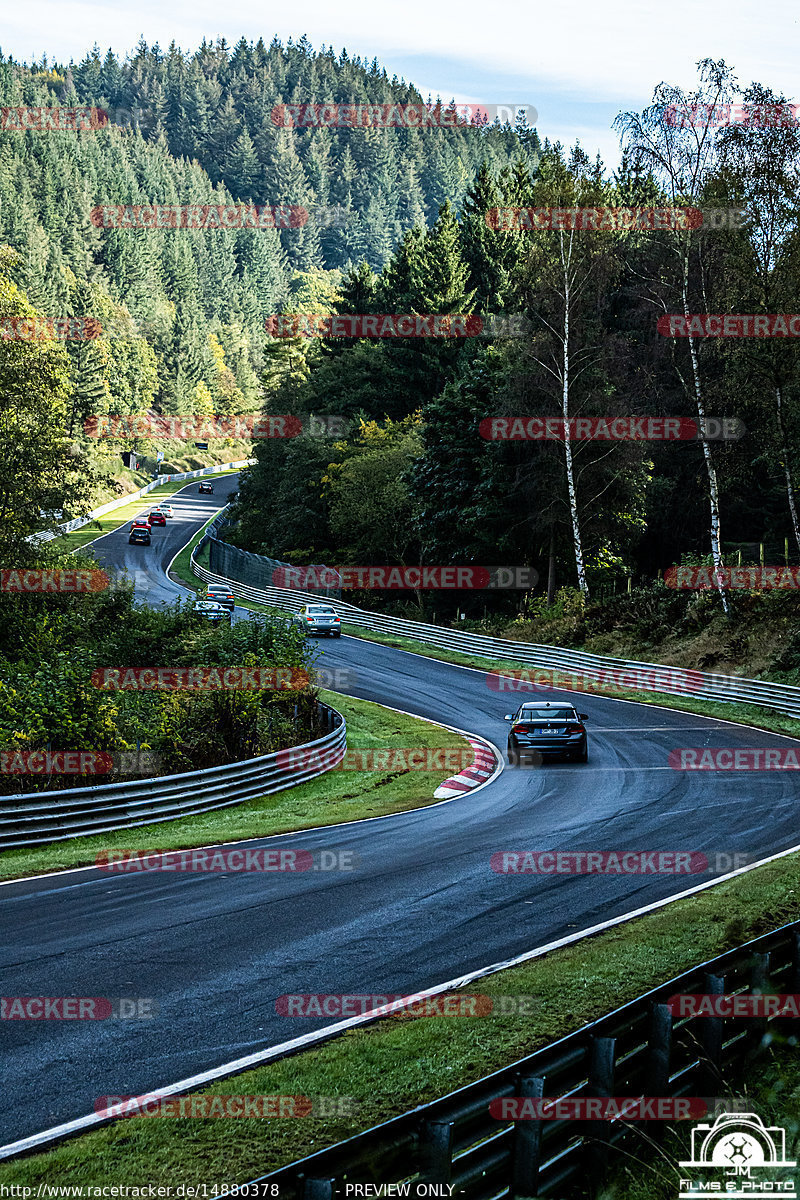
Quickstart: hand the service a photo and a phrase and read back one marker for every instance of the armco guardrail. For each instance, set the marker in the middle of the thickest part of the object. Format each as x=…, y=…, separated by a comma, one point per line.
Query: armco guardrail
x=121, y=501
x=640, y=1049
x=608, y=673
x=29, y=820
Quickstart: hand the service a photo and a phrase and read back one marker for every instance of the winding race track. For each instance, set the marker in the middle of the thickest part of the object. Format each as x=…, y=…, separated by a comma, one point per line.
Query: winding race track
x=423, y=905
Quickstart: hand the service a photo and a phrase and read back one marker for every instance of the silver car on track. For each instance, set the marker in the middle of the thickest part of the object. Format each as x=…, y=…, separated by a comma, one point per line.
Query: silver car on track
x=319, y=619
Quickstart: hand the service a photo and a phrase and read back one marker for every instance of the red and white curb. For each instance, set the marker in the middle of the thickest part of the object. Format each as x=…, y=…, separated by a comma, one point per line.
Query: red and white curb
x=482, y=768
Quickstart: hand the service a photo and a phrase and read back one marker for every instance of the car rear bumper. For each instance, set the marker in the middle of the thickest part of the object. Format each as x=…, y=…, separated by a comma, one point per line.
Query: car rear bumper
x=572, y=744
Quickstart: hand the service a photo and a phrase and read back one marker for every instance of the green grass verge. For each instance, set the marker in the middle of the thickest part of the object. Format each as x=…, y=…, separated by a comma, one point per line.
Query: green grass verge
x=402, y=1061
x=331, y=798
x=126, y=512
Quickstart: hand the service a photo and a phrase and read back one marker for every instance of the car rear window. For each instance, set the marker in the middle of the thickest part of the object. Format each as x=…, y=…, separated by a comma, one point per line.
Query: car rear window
x=547, y=714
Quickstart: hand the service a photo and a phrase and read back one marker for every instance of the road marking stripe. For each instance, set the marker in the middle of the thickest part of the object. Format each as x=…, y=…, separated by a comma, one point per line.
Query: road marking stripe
x=93, y=1120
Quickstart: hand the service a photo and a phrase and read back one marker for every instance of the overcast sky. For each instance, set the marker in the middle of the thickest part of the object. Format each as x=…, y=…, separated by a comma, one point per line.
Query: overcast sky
x=578, y=62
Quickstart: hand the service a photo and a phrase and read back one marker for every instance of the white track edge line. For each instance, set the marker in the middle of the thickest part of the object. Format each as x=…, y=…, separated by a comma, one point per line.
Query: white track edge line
x=91, y=1120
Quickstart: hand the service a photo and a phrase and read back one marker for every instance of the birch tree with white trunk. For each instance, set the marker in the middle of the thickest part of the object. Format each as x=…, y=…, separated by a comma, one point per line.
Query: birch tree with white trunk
x=760, y=159
x=565, y=263
x=675, y=141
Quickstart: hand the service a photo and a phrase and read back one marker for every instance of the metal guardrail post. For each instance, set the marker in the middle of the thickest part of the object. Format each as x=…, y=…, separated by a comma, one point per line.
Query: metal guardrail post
x=795, y=972
x=436, y=1152
x=659, y=1050
x=602, y=1057
x=659, y=1059
x=526, y=1152
x=318, y=1189
x=759, y=980
x=710, y=1039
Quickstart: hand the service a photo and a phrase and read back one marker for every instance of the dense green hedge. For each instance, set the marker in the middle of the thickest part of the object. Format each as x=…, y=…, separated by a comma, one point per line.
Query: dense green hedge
x=50, y=644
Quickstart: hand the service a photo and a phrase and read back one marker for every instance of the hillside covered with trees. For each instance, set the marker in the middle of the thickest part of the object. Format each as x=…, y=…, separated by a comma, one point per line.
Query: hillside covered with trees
x=183, y=311
x=588, y=513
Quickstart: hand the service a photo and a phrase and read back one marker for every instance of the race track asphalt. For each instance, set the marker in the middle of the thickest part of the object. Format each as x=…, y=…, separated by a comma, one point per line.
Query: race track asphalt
x=423, y=905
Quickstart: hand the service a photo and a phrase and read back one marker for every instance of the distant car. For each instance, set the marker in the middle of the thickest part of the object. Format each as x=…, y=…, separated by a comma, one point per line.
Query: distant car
x=206, y=489
x=139, y=522
x=547, y=729
x=209, y=610
x=221, y=594
x=139, y=535
x=166, y=509
x=319, y=619
x=157, y=517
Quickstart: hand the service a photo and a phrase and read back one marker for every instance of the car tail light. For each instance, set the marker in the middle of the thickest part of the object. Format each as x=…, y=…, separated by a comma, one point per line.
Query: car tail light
x=573, y=728
x=309, y=618
x=520, y=729
x=337, y=620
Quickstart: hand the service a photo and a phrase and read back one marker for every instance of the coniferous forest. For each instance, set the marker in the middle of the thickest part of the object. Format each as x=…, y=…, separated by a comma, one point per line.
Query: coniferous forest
x=183, y=310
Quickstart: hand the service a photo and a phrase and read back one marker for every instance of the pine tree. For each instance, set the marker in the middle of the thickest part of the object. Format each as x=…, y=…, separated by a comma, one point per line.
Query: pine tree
x=244, y=168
